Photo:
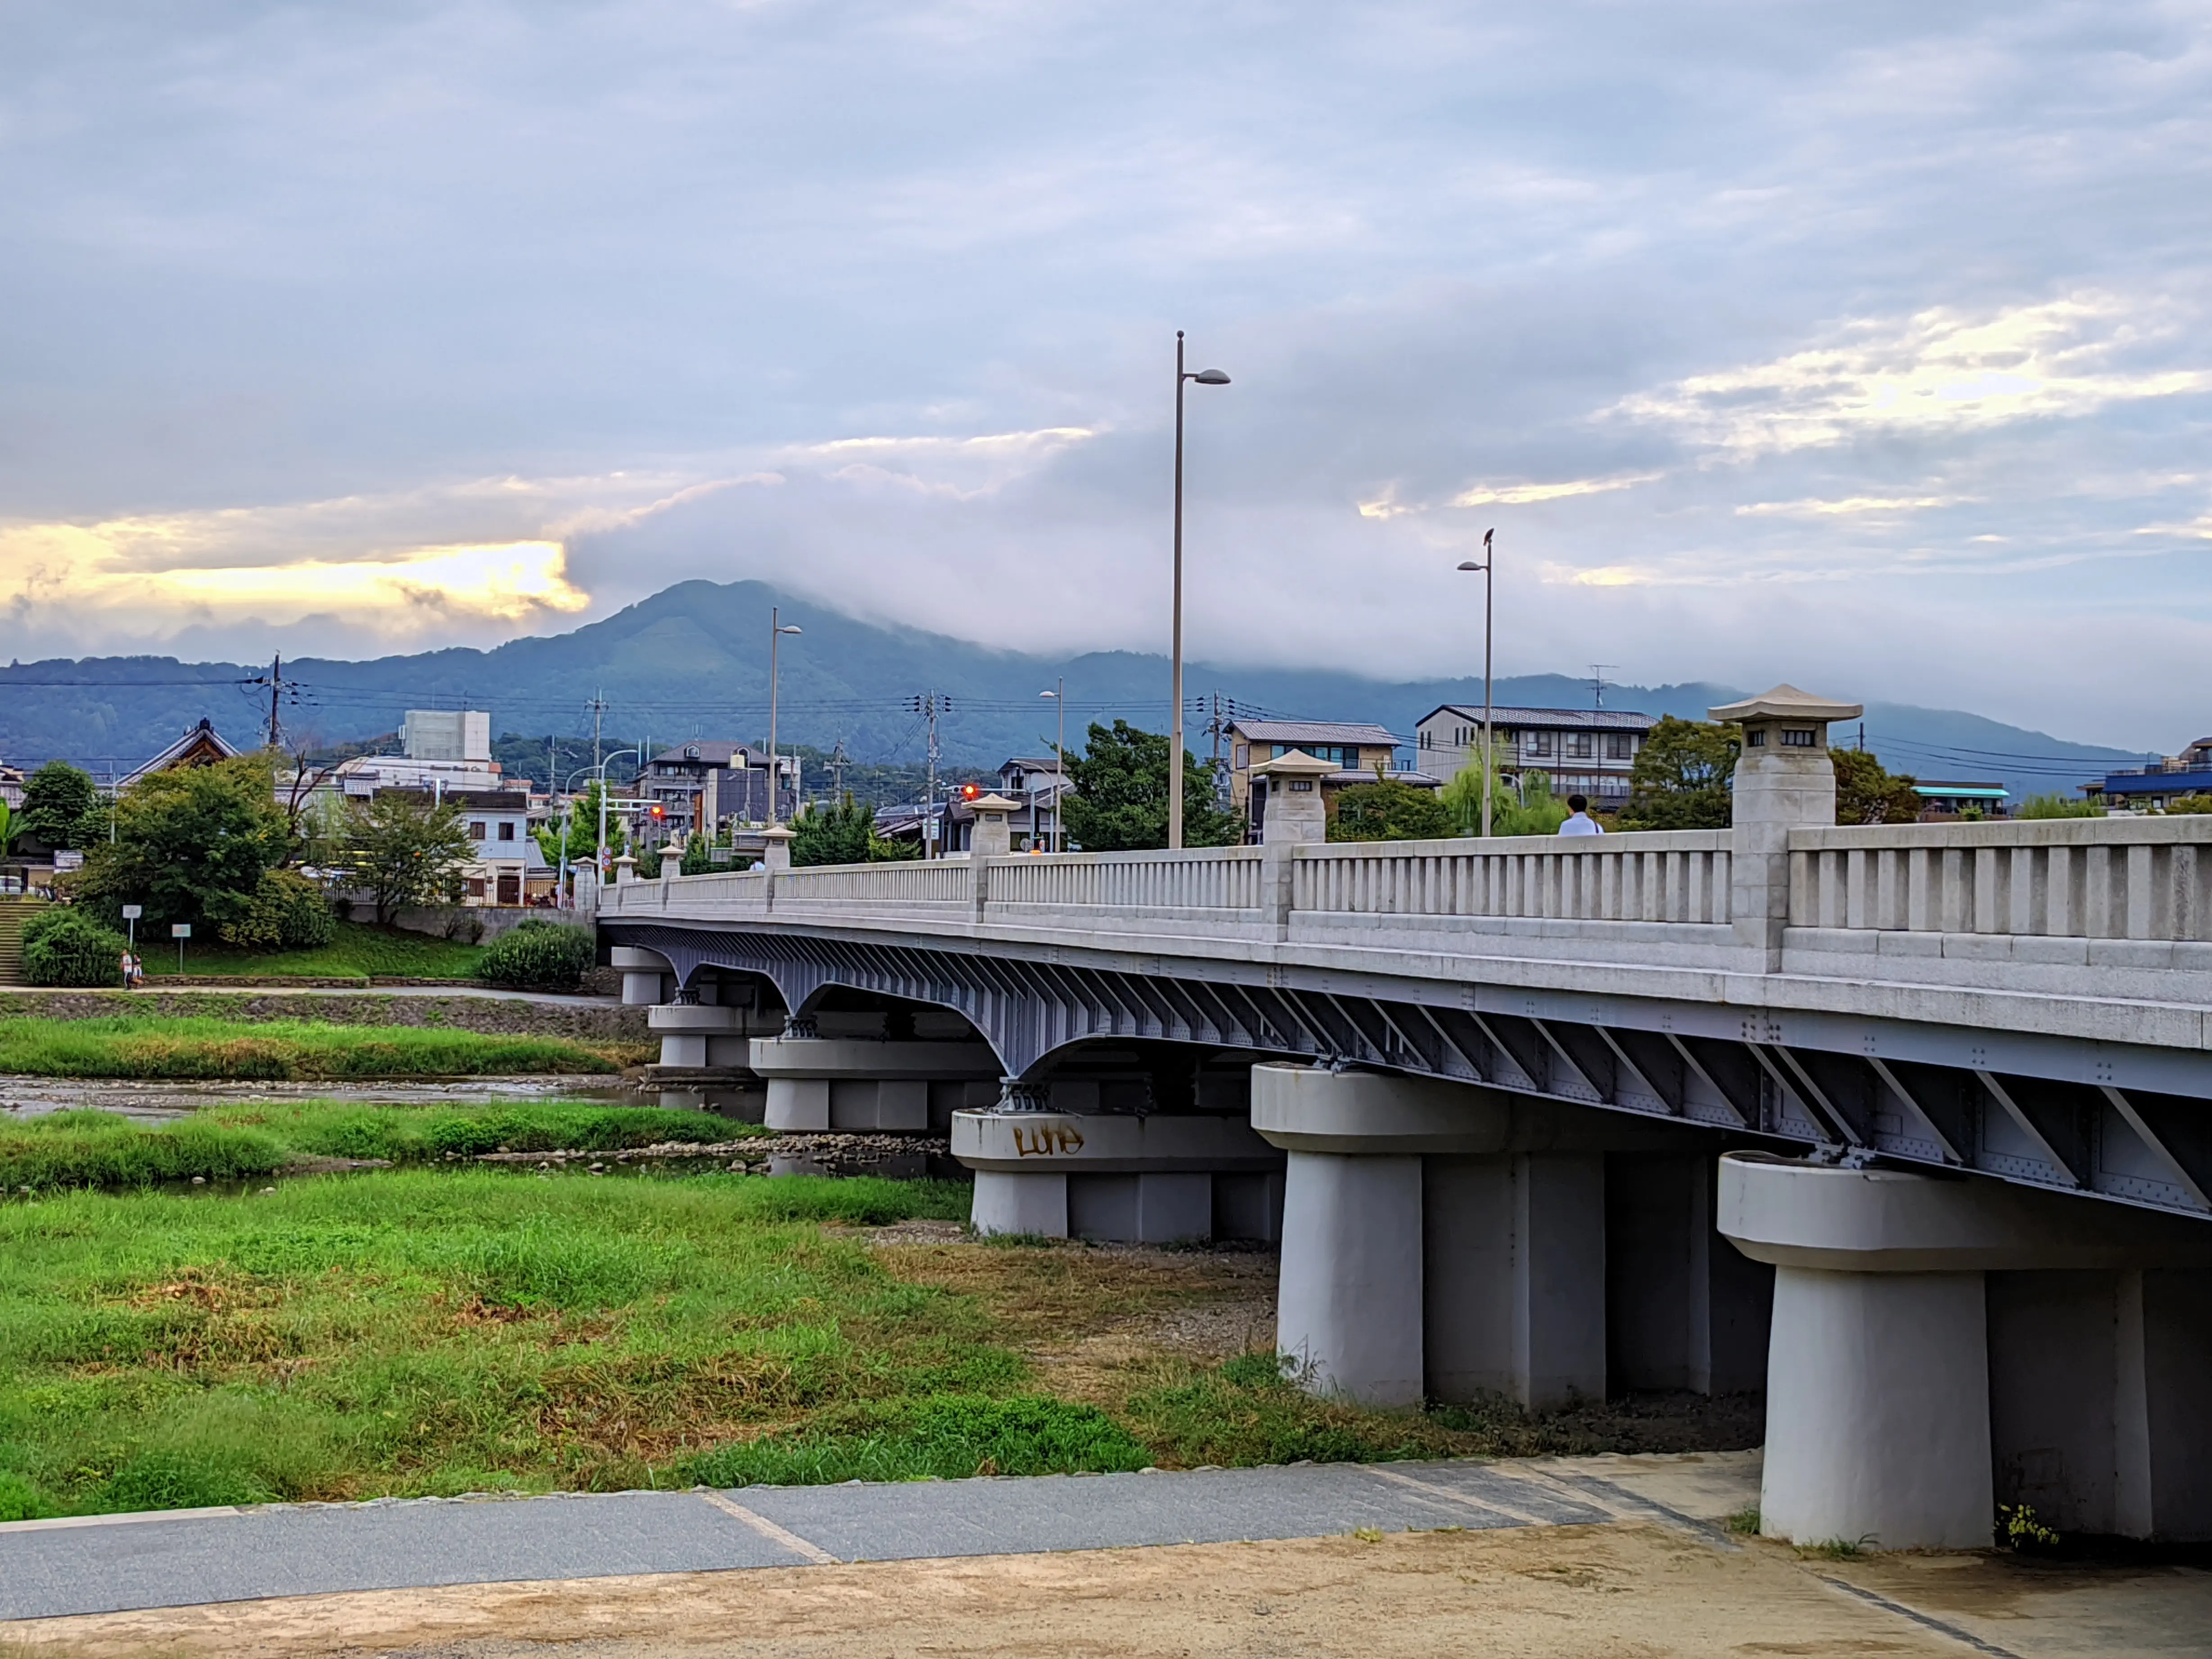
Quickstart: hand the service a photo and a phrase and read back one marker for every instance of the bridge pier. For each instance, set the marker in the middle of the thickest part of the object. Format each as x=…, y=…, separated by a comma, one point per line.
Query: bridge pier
x=1441, y=1240
x=1148, y=1178
x=646, y=974
x=1941, y=1346
x=861, y=1078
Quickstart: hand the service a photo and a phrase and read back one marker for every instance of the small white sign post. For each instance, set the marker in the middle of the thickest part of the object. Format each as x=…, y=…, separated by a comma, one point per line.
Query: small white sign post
x=180, y=931
x=131, y=914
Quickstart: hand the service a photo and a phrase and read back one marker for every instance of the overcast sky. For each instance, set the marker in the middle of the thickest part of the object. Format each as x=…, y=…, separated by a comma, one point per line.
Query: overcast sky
x=1862, y=345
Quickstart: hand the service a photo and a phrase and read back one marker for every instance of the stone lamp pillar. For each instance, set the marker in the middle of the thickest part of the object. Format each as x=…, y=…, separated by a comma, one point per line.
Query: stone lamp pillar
x=992, y=838
x=1295, y=813
x=1783, y=782
x=625, y=869
x=776, y=850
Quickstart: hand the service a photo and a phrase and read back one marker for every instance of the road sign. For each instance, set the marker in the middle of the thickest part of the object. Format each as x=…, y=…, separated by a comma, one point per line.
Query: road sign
x=181, y=930
x=66, y=858
x=133, y=912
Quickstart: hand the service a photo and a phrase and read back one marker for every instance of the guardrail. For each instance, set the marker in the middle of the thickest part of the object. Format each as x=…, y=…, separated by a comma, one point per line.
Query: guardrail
x=1662, y=875
x=1194, y=879
x=2098, y=878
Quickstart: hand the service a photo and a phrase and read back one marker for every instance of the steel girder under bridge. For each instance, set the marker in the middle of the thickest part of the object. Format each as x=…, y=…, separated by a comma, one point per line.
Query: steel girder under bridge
x=2104, y=1120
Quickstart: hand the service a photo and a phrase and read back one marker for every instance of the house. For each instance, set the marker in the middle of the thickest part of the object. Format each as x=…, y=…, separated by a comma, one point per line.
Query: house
x=1037, y=782
x=1583, y=751
x=506, y=864
x=1940, y=801
x=2154, y=788
x=11, y=785
x=1359, y=751
x=201, y=745
x=709, y=784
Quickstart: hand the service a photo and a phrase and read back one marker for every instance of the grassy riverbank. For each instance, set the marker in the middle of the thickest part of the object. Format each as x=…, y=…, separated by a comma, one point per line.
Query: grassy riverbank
x=249, y=1139
x=151, y=1046
x=450, y=1328
x=356, y=950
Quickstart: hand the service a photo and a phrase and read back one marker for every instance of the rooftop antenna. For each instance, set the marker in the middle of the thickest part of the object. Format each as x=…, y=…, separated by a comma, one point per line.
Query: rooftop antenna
x=1597, y=682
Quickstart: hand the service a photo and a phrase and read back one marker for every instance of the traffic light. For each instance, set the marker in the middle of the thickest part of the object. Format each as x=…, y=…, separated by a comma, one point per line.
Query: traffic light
x=971, y=791
x=659, y=811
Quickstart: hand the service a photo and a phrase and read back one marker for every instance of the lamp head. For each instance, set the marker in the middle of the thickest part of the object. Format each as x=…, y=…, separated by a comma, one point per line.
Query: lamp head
x=1469, y=564
x=1211, y=377
x=791, y=628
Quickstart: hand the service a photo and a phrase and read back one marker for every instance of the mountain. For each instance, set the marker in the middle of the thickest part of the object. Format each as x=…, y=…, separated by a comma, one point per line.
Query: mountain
x=693, y=661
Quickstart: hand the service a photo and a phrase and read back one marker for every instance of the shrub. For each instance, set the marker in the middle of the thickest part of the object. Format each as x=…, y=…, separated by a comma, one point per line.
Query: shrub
x=286, y=911
x=2058, y=806
x=66, y=946
x=2190, y=804
x=540, y=955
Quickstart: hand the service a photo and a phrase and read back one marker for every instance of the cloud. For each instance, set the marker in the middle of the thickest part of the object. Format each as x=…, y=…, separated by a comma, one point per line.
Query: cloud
x=1941, y=369
x=1817, y=508
x=1522, y=495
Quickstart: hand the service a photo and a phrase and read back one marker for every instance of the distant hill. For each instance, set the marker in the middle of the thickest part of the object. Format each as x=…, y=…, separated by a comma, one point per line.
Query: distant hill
x=693, y=661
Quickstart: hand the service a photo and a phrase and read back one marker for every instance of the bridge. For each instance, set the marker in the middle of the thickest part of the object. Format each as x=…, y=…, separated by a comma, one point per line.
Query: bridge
x=1910, y=1125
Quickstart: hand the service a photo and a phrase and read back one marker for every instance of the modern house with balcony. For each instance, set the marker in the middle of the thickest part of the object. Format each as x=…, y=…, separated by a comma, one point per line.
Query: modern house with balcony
x=1585, y=751
x=709, y=784
x=2154, y=789
x=1359, y=751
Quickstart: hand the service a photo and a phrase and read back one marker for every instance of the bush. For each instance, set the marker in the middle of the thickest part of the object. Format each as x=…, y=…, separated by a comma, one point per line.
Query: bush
x=2058, y=806
x=286, y=911
x=540, y=955
x=2190, y=804
x=65, y=946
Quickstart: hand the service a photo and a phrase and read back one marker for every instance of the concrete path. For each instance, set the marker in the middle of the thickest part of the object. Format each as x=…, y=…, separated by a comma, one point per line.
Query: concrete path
x=112, y=1564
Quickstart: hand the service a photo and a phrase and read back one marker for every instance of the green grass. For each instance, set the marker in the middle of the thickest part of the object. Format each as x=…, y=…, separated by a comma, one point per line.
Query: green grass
x=252, y=1138
x=149, y=1046
x=356, y=951
x=440, y=1331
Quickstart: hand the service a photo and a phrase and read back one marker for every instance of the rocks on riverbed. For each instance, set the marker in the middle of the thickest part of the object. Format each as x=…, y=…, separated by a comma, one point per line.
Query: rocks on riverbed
x=833, y=1152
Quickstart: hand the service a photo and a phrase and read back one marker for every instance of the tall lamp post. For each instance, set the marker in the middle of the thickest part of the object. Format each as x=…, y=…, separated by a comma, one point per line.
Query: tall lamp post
x=1204, y=377
x=1489, y=580
x=776, y=629
x=1058, y=696
x=599, y=855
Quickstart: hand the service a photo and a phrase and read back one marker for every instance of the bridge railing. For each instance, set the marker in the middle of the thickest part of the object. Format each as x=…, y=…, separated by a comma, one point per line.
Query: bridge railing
x=2146, y=878
x=1193, y=878
x=1650, y=876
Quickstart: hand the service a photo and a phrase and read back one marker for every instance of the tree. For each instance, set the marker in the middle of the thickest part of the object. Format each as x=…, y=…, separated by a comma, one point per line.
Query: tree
x=1868, y=793
x=192, y=846
x=698, y=854
x=403, y=849
x=1682, y=776
x=1120, y=798
x=1387, y=810
x=61, y=808
x=2055, y=806
x=842, y=834
x=581, y=825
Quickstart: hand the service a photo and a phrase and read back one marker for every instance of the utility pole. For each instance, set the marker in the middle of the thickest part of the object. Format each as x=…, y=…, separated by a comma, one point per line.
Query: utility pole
x=838, y=758
x=930, y=705
x=276, y=688
x=598, y=708
x=1597, y=683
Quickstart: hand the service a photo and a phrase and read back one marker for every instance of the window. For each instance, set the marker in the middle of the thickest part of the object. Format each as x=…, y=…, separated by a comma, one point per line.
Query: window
x=506, y=831
x=1243, y=759
x=475, y=830
x=1755, y=738
x=1797, y=737
x=1427, y=738
x=1302, y=785
x=1580, y=745
x=1619, y=746
x=1539, y=742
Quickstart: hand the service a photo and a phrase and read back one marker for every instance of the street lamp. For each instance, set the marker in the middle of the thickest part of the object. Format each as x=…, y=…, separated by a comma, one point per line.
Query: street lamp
x=1058, y=696
x=1204, y=377
x=776, y=629
x=1489, y=579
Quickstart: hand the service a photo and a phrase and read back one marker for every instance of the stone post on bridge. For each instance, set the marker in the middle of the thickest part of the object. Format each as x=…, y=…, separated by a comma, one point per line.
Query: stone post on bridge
x=775, y=847
x=992, y=839
x=1297, y=815
x=1783, y=782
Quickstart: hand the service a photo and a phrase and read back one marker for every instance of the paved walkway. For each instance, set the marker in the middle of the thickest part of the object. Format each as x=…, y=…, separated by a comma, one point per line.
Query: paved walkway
x=113, y=1564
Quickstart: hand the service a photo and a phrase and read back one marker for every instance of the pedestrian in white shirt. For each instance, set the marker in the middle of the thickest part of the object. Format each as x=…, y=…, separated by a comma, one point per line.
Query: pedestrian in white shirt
x=1579, y=822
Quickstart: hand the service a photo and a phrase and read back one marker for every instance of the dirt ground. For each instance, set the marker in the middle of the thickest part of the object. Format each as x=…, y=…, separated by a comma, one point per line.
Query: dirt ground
x=1619, y=1592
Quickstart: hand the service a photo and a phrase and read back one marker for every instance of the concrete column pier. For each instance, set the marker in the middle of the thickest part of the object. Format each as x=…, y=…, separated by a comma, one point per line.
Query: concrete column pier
x=646, y=974
x=870, y=1082
x=1930, y=1333
x=1149, y=1179
x=697, y=1036
x=1504, y=1291
x=1684, y=1309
